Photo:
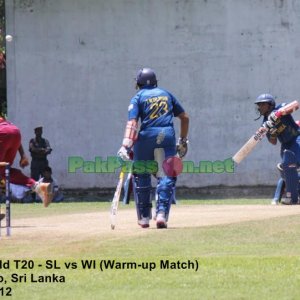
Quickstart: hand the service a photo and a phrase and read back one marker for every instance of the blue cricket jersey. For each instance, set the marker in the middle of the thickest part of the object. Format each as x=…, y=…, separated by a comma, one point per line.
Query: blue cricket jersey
x=287, y=130
x=155, y=107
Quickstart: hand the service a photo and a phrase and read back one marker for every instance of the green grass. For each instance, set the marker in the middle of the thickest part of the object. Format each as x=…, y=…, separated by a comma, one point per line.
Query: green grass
x=36, y=210
x=248, y=260
x=30, y=210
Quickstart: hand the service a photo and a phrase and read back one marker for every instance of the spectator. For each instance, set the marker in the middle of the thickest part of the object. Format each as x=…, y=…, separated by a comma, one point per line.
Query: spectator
x=47, y=178
x=39, y=149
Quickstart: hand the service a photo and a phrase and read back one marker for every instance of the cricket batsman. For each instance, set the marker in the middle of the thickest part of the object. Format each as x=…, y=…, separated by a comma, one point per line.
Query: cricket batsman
x=285, y=130
x=280, y=187
x=155, y=108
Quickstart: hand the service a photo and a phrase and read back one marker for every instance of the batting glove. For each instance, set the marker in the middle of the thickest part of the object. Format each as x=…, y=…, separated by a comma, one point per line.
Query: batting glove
x=123, y=153
x=272, y=117
x=269, y=125
x=182, y=147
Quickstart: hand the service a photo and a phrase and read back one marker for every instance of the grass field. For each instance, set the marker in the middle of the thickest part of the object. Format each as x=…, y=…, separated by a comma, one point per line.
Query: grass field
x=243, y=249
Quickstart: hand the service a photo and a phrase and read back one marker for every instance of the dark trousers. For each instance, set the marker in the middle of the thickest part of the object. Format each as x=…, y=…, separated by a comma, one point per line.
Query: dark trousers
x=37, y=168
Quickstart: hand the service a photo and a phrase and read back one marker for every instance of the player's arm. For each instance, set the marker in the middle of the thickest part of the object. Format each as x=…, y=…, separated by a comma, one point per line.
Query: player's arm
x=182, y=146
x=184, y=124
x=34, y=149
x=131, y=129
x=48, y=149
x=271, y=132
x=130, y=136
x=272, y=139
x=271, y=129
x=286, y=109
x=24, y=160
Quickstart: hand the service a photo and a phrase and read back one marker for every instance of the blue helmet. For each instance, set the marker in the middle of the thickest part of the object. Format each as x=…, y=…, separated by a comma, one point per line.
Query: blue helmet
x=265, y=98
x=146, y=77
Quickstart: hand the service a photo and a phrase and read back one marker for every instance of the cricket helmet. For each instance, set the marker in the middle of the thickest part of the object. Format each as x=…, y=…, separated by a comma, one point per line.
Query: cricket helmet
x=265, y=98
x=146, y=77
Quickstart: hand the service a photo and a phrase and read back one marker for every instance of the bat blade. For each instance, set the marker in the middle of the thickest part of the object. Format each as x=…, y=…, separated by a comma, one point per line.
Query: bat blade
x=115, y=201
x=248, y=147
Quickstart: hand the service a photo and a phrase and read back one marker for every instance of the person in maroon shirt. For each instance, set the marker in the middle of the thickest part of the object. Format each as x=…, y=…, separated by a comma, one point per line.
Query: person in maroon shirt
x=10, y=144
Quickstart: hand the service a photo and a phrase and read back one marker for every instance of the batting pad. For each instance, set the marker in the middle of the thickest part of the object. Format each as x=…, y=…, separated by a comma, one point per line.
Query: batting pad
x=289, y=165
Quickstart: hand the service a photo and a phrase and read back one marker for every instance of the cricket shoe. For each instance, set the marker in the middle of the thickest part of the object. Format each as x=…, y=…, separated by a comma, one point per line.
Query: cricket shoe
x=161, y=221
x=2, y=216
x=286, y=201
x=275, y=202
x=144, y=222
x=44, y=190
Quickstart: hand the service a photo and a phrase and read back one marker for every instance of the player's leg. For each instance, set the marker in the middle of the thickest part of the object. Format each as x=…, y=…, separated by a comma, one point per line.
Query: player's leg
x=289, y=167
x=278, y=192
x=166, y=186
x=165, y=190
x=44, y=190
x=280, y=188
x=10, y=140
x=35, y=174
x=17, y=177
x=142, y=196
x=159, y=157
x=296, y=149
x=143, y=151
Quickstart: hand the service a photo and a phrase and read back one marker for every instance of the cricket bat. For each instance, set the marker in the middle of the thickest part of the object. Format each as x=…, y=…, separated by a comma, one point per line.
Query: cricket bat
x=115, y=201
x=127, y=189
x=261, y=132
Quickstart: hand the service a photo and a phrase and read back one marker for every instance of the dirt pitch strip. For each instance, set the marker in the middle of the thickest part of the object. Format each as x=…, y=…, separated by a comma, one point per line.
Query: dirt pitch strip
x=76, y=227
